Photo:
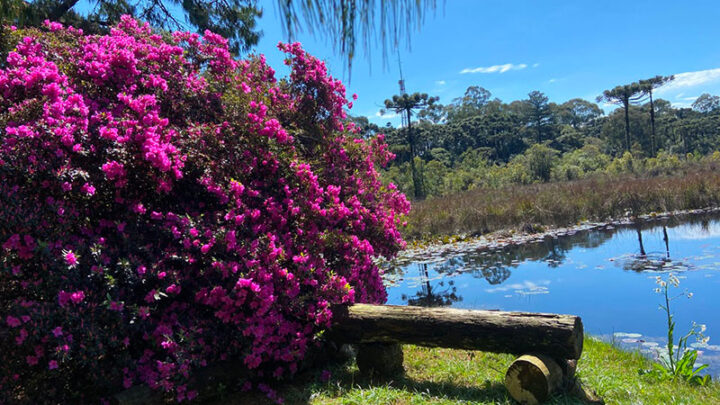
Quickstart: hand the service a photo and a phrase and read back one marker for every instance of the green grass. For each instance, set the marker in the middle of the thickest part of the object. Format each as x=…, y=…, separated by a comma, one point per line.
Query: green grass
x=445, y=376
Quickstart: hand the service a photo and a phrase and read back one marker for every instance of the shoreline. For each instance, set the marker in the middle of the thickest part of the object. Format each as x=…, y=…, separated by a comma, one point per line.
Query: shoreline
x=463, y=243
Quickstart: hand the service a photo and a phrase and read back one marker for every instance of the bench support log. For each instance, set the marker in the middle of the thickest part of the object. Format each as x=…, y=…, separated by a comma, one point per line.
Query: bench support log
x=532, y=379
x=380, y=360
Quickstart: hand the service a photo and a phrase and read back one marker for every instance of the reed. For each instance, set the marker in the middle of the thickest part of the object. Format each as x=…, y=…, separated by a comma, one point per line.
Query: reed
x=599, y=198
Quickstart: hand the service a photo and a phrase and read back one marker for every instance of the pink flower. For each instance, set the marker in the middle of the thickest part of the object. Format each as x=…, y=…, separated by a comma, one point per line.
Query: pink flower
x=20, y=339
x=70, y=258
x=52, y=365
x=57, y=332
x=88, y=189
x=77, y=297
x=173, y=289
x=12, y=321
x=113, y=170
x=52, y=26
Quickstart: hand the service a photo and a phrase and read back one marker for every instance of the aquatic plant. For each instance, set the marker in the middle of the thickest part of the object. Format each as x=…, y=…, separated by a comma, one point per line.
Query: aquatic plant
x=678, y=362
x=164, y=206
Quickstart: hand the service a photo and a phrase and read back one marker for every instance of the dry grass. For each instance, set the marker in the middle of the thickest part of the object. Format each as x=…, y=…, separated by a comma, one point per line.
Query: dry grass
x=560, y=204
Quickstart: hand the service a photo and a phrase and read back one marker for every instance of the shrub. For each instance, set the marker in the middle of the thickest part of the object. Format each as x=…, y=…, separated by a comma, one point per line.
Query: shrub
x=165, y=206
x=539, y=160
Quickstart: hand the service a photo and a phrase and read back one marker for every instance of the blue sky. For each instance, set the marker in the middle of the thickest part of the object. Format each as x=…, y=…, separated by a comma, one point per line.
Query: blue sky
x=565, y=49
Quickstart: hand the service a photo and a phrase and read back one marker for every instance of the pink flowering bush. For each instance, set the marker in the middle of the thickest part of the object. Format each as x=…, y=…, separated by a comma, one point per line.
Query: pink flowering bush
x=165, y=206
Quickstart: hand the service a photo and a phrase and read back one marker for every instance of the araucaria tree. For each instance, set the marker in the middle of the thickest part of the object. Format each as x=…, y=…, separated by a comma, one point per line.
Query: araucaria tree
x=624, y=95
x=164, y=206
x=404, y=105
x=647, y=86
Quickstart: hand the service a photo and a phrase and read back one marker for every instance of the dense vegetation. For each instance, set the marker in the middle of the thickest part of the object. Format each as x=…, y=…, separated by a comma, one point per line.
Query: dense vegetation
x=479, y=142
x=164, y=206
x=534, y=207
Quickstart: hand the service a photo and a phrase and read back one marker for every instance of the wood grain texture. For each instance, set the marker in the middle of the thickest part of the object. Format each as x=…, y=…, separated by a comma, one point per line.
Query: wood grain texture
x=532, y=379
x=558, y=336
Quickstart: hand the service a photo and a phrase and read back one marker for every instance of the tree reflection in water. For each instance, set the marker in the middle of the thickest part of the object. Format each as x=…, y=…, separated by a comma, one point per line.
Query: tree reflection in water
x=496, y=265
x=657, y=261
x=441, y=295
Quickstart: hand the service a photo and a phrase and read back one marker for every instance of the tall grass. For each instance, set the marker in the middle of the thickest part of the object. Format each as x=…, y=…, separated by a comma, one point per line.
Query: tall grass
x=563, y=203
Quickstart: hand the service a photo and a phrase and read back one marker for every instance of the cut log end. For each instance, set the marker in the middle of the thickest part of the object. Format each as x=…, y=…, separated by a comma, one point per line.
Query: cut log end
x=532, y=379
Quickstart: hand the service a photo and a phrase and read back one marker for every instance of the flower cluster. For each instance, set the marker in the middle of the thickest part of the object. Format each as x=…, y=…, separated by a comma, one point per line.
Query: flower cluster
x=165, y=206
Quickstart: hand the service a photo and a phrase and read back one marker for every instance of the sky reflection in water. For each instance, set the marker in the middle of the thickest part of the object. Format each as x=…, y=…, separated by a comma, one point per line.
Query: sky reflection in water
x=600, y=275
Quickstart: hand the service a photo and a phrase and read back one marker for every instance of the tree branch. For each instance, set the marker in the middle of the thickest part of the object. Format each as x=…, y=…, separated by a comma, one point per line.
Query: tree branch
x=61, y=9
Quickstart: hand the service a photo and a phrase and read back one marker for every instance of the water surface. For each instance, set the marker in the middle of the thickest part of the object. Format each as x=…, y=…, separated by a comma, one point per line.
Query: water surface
x=607, y=276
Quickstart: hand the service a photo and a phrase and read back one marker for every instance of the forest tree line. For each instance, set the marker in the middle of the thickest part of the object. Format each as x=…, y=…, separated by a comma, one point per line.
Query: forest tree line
x=480, y=141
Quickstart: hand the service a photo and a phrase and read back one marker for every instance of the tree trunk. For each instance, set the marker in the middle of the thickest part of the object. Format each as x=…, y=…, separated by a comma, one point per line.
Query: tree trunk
x=640, y=241
x=652, y=124
x=626, y=104
x=417, y=186
x=559, y=336
x=61, y=9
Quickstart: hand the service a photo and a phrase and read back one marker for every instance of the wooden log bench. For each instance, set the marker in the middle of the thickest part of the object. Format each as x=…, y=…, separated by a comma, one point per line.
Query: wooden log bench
x=549, y=345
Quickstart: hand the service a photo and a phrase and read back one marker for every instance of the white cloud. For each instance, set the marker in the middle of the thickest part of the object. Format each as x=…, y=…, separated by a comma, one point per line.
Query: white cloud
x=692, y=98
x=524, y=286
x=692, y=79
x=440, y=82
x=696, y=232
x=552, y=80
x=388, y=115
x=494, y=69
x=536, y=65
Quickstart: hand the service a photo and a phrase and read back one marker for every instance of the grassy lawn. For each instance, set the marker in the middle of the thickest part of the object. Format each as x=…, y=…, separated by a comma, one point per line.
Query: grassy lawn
x=444, y=376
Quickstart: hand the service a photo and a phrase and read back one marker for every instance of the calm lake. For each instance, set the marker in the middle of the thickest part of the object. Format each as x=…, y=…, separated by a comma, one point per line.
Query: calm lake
x=600, y=275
